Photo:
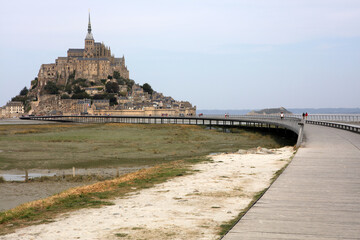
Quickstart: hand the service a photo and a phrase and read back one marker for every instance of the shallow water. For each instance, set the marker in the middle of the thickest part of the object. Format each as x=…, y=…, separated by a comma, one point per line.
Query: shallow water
x=15, y=191
x=16, y=121
x=21, y=177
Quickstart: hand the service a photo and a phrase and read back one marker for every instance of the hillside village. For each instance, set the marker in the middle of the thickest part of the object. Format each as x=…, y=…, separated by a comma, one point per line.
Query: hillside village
x=108, y=97
x=91, y=81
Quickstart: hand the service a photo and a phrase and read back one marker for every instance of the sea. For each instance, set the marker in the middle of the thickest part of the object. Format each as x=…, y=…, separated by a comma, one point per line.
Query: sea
x=293, y=110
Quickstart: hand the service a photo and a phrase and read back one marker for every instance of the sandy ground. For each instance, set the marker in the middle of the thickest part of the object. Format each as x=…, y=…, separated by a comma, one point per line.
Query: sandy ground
x=187, y=207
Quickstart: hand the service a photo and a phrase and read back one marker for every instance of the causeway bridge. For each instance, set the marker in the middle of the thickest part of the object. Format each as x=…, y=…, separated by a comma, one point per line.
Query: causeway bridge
x=316, y=197
x=290, y=123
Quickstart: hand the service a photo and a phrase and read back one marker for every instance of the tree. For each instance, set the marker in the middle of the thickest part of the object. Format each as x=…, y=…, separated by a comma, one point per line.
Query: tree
x=123, y=94
x=24, y=91
x=19, y=99
x=112, y=87
x=81, y=81
x=68, y=89
x=51, y=88
x=103, y=81
x=34, y=83
x=100, y=96
x=65, y=96
x=147, y=88
x=121, y=81
x=77, y=89
x=116, y=75
x=130, y=83
x=112, y=100
x=72, y=75
x=80, y=95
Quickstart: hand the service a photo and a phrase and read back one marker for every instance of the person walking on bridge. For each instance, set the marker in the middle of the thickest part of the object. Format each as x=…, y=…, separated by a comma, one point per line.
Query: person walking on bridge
x=281, y=115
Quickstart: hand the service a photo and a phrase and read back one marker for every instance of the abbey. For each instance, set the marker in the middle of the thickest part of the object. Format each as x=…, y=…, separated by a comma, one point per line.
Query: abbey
x=91, y=81
x=94, y=62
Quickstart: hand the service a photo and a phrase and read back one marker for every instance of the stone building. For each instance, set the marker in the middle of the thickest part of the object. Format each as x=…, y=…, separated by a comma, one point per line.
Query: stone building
x=94, y=90
x=101, y=104
x=93, y=62
x=14, y=107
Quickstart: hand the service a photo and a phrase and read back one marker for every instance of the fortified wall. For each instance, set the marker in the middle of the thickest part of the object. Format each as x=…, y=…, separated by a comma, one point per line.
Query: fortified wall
x=54, y=105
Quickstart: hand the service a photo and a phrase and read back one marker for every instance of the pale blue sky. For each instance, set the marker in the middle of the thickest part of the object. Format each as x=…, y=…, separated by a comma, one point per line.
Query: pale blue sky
x=227, y=54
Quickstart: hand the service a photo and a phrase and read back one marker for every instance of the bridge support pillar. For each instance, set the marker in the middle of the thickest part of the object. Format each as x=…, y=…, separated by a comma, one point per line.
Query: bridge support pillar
x=300, y=134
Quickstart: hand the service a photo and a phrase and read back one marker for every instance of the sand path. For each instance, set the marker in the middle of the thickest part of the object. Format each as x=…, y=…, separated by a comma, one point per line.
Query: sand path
x=187, y=207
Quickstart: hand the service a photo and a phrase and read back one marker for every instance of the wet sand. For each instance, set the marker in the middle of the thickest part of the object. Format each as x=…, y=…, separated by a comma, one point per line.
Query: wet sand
x=14, y=194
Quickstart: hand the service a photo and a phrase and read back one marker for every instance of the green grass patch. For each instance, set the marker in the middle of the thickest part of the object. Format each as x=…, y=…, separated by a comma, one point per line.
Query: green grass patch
x=118, y=145
x=121, y=234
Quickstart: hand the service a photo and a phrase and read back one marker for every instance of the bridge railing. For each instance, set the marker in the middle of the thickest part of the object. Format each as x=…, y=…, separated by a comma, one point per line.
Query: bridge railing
x=262, y=117
x=348, y=127
x=334, y=117
x=288, y=122
x=313, y=117
x=293, y=124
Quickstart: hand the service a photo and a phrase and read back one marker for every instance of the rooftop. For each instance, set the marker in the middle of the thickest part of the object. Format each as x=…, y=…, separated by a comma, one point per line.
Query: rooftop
x=75, y=50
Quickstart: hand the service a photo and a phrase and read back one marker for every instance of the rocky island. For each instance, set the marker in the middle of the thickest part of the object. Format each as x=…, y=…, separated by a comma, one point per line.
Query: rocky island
x=91, y=80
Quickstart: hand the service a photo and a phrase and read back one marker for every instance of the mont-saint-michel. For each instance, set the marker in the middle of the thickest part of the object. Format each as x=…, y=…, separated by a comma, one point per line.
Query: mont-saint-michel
x=88, y=162
x=91, y=80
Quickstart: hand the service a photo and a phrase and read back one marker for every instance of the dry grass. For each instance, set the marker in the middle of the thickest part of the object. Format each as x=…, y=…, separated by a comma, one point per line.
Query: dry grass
x=103, y=186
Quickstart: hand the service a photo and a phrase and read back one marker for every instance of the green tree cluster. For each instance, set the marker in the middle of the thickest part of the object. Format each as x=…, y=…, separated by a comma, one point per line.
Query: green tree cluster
x=116, y=75
x=65, y=96
x=112, y=87
x=68, y=88
x=147, y=88
x=80, y=81
x=34, y=83
x=20, y=98
x=110, y=96
x=80, y=95
x=24, y=91
x=51, y=88
x=72, y=76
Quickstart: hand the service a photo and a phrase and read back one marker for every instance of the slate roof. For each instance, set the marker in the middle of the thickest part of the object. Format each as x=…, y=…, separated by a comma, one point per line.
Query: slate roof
x=76, y=50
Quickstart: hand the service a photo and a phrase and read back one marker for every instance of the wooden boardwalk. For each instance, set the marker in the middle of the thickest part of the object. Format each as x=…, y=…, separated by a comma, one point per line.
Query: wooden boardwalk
x=317, y=196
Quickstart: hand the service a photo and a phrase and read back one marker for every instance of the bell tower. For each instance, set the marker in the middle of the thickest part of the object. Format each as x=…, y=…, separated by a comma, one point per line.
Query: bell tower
x=89, y=50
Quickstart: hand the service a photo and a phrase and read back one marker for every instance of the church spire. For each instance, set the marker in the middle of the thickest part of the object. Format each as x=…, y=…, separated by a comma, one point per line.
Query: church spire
x=89, y=35
x=89, y=25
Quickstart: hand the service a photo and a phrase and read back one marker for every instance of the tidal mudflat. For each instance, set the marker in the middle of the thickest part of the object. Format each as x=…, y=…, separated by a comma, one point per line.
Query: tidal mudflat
x=194, y=206
x=99, y=148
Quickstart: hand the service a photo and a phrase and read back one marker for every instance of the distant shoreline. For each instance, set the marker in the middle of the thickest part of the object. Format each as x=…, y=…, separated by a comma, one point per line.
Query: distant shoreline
x=293, y=110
